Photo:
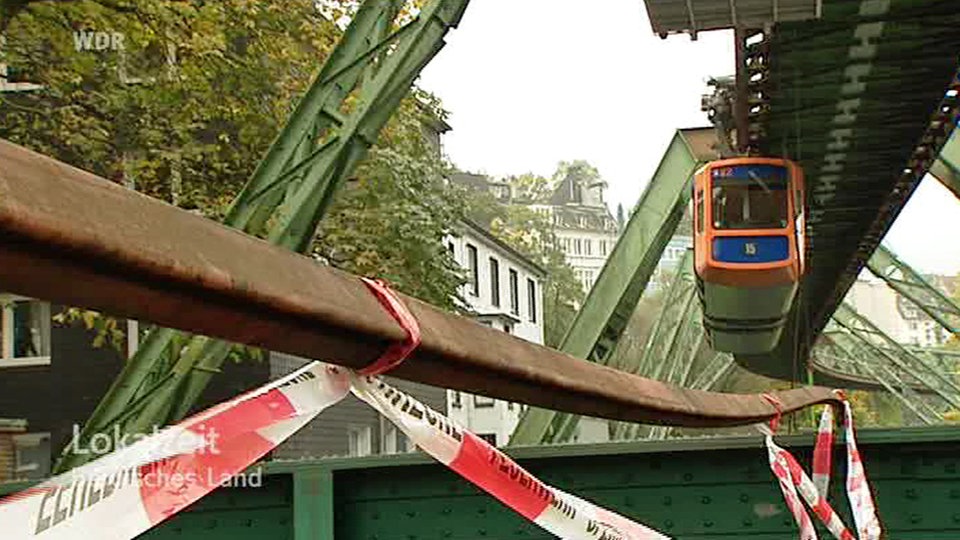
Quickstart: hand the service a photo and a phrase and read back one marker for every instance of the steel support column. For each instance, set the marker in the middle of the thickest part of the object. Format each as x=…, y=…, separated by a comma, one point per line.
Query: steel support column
x=603, y=317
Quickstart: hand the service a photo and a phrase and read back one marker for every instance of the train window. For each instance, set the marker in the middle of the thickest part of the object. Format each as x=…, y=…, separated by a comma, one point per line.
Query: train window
x=750, y=197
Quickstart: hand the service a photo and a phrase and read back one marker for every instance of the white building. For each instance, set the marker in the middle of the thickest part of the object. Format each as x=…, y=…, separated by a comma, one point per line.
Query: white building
x=586, y=232
x=505, y=290
x=895, y=315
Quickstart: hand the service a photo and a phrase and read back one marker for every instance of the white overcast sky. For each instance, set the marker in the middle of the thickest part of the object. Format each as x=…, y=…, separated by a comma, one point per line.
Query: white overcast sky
x=532, y=82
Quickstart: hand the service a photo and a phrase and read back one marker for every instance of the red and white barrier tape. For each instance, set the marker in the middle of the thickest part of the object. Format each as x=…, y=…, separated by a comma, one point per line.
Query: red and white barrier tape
x=789, y=489
x=823, y=451
x=793, y=481
x=125, y=493
x=493, y=471
x=858, y=491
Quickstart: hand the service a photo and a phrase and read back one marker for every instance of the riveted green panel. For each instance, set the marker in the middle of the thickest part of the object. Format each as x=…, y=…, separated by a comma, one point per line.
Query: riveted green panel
x=239, y=513
x=703, y=489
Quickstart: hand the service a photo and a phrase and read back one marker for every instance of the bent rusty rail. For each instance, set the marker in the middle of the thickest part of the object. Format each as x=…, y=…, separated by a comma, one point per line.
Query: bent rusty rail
x=69, y=236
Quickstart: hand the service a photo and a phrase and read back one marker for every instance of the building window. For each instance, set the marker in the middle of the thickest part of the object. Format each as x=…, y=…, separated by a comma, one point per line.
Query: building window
x=482, y=402
x=489, y=437
x=494, y=282
x=474, y=270
x=508, y=328
x=24, y=331
x=359, y=440
x=457, y=400
x=532, y=300
x=587, y=246
x=577, y=246
x=603, y=248
x=514, y=293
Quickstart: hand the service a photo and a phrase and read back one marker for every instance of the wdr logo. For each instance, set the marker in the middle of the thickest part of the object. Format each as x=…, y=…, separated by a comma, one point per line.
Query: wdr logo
x=89, y=40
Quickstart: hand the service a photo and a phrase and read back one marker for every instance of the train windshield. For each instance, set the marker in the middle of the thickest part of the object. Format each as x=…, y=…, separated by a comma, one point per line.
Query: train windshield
x=750, y=197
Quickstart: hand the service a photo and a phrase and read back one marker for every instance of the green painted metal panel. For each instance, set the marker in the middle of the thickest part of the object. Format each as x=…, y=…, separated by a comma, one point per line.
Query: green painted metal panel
x=703, y=489
x=313, y=511
x=607, y=308
x=236, y=513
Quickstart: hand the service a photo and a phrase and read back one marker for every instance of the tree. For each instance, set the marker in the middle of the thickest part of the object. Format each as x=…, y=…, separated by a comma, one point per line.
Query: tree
x=580, y=169
x=530, y=188
x=184, y=111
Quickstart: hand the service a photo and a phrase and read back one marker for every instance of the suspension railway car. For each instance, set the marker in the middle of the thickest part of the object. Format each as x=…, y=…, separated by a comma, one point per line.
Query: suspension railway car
x=748, y=249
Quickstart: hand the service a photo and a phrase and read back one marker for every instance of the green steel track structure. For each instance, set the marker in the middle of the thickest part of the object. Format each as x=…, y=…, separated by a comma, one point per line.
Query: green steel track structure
x=909, y=283
x=375, y=62
x=863, y=99
x=601, y=320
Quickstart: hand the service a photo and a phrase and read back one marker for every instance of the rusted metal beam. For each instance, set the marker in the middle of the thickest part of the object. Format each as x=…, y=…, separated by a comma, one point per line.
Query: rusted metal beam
x=69, y=236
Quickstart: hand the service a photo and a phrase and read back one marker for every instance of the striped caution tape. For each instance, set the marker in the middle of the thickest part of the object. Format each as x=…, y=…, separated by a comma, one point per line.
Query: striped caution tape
x=823, y=451
x=795, y=483
x=493, y=471
x=125, y=493
x=788, y=470
x=858, y=491
x=781, y=471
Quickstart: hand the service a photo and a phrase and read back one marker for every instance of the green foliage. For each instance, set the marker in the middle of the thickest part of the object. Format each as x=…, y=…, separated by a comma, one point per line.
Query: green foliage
x=529, y=188
x=196, y=96
x=197, y=93
x=108, y=331
x=579, y=169
x=391, y=220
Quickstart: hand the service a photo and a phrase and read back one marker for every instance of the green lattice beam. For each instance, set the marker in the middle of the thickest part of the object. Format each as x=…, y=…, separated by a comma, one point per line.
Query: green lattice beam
x=317, y=149
x=908, y=282
x=603, y=317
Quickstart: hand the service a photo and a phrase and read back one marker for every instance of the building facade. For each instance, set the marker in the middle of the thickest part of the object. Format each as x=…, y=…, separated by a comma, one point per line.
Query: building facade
x=585, y=229
x=896, y=315
x=504, y=290
x=52, y=377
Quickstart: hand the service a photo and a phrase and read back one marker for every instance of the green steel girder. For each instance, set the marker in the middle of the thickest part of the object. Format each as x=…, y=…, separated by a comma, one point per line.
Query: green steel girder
x=714, y=372
x=321, y=143
x=710, y=375
x=675, y=341
x=908, y=282
x=847, y=351
x=703, y=489
x=909, y=363
x=863, y=100
x=601, y=320
x=947, y=167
